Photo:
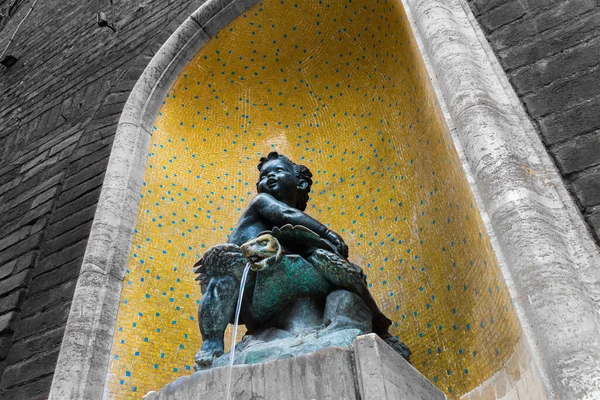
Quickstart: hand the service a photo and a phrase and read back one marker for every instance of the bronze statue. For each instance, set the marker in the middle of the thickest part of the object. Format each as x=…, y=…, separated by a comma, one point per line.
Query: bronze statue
x=301, y=283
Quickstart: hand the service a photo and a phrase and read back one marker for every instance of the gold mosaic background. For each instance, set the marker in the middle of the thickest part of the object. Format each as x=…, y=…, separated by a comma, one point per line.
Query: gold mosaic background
x=339, y=86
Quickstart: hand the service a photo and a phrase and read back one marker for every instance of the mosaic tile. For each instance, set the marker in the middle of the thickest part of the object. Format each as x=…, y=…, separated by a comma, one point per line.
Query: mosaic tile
x=339, y=86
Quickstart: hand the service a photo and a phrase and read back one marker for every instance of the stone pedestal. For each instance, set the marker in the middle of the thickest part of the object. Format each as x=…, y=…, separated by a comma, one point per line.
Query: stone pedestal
x=368, y=370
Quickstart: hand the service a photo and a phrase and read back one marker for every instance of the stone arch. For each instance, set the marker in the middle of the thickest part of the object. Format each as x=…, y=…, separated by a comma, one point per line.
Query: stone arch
x=81, y=368
x=510, y=170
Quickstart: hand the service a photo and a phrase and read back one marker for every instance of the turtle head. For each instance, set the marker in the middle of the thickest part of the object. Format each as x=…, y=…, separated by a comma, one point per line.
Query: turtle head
x=262, y=252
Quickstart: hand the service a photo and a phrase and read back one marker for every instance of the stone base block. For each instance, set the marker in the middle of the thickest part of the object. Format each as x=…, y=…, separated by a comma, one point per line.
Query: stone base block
x=367, y=370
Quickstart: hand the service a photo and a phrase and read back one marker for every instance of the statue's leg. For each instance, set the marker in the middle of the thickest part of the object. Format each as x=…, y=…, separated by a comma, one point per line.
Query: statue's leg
x=217, y=309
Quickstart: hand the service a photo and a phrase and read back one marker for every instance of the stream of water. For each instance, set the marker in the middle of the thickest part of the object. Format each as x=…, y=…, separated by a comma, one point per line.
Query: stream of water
x=235, y=329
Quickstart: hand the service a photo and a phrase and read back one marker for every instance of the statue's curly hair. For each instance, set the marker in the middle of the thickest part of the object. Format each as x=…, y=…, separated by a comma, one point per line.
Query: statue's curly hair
x=302, y=174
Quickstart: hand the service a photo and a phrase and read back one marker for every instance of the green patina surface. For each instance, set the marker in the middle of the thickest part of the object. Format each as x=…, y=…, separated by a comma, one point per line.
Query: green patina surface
x=292, y=277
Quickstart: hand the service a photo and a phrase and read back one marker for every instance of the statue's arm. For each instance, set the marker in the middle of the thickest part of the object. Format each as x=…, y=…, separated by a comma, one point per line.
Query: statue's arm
x=279, y=214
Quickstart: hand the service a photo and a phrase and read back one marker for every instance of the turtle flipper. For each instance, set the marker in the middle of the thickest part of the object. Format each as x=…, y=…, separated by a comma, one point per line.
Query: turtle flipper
x=220, y=260
x=349, y=276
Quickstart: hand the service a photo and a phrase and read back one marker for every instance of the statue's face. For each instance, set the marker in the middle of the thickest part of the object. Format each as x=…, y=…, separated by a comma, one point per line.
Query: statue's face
x=278, y=179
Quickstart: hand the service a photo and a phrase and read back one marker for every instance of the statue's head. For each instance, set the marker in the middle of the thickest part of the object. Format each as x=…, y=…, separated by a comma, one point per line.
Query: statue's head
x=284, y=179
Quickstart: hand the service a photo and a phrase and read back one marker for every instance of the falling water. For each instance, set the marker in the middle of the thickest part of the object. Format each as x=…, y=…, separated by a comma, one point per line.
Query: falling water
x=235, y=329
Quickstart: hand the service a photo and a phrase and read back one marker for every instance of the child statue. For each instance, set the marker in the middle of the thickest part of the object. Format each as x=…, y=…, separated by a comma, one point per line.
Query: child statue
x=315, y=265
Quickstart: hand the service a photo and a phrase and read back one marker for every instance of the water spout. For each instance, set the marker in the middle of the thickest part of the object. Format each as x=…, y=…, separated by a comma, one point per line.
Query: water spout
x=235, y=328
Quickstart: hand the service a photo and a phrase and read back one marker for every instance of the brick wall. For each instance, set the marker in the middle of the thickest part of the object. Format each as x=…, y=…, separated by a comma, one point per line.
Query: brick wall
x=550, y=50
x=58, y=113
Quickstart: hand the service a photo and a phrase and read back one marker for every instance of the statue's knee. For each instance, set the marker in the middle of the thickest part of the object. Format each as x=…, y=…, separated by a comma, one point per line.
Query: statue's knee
x=222, y=285
x=221, y=294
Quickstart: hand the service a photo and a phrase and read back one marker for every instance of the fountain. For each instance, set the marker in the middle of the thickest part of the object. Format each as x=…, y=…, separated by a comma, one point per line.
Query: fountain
x=301, y=300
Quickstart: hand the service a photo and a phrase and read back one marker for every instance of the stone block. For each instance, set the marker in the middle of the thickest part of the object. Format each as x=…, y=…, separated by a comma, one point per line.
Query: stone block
x=12, y=220
x=57, y=296
x=384, y=374
x=586, y=187
x=561, y=95
x=5, y=187
x=481, y=6
x=62, y=274
x=79, y=203
x=15, y=237
x=5, y=321
x=50, y=319
x=59, y=258
x=12, y=301
x=5, y=345
x=38, y=344
x=14, y=282
x=74, y=235
x=36, y=389
x=7, y=269
x=502, y=15
x=29, y=370
x=368, y=370
x=577, y=154
x=45, y=196
x=24, y=262
x=594, y=220
x=539, y=20
x=580, y=119
x=24, y=191
x=57, y=148
x=86, y=150
x=550, y=42
x=72, y=221
x=82, y=183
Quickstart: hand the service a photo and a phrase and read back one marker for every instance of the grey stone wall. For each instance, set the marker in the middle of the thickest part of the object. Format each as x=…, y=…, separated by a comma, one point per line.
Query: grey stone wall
x=58, y=113
x=550, y=50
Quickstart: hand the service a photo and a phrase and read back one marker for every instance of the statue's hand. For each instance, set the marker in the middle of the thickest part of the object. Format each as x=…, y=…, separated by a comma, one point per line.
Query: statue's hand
x=338, y=242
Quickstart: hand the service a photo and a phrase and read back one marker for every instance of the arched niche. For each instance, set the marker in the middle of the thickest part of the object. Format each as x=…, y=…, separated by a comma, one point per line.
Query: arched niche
x=384, y=158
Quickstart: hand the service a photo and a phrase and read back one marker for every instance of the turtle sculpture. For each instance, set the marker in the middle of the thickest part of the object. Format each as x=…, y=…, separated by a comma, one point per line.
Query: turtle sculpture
x=268, y=249
x=292, y=263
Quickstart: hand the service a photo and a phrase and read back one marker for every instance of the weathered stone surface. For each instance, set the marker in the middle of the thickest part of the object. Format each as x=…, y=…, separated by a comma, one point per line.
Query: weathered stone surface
x=578, y=154
x=572, y=61
x=594, y=220
x=36, y=389
x=549, y=252
x=50, y=319
x=369, y=370
x=551, y=53
x=502, y=15
x=11, y=301
x=539, y=19
x=587, y=187
x=563, y=94
x=7, y=269
x=35, y=345
x=383, y=374
x=5, y=321
x=551, y=42
x=14, y=282
x=65, y=272
x=29, y=370
x=582, y=118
